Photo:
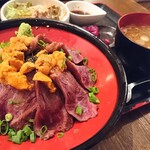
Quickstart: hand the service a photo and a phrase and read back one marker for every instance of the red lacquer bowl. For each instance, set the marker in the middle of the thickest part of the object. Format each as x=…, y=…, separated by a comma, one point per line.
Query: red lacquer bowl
x=111, y=83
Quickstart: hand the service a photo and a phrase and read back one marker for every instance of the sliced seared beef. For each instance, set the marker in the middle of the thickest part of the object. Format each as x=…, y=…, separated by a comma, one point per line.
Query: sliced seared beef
x=22, y=105
x=51, y=112
x=54, y=46
x=75, y=96
x=82, y=74
x=76, y=57
x=5, y=94
x=34, y=46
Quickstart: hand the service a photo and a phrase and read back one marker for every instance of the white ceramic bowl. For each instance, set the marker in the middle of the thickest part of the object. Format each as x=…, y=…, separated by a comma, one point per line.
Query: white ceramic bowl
x=93, y=12
x=64, y=16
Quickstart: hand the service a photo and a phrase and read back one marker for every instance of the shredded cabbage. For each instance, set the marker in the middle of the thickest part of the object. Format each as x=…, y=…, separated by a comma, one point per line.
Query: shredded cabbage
x=18, y=10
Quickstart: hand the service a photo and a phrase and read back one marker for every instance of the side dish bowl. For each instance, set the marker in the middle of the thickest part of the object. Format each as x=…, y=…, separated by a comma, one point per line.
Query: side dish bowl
x=63, y=13
x=84, y=13
x=134, y=55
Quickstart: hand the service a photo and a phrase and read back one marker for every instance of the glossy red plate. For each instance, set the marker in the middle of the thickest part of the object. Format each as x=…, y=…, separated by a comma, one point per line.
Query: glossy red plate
x=111, y=83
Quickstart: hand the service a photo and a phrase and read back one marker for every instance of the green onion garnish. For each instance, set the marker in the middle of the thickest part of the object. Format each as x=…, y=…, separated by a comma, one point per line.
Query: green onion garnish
x=27, y=130
x=43, y=130
x=60, y=134
x=16, y=140
x=85, y=61
x=61, y=50
x=93, y=74
x=93, y=98
x=94, y=90
x=13, y=102
x=32, y=137
x=63, y=63
x=21, y=135
x=4, y=127
x=31, y=120
x=70, y=58
x=8, y=117
x=41, y=43
x=4, y=44
x=11, y=133
x=79, y=110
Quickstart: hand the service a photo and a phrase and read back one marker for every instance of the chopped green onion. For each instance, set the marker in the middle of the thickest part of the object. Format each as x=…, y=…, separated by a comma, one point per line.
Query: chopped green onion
x=93, y=98
x=63, y=63
x=60, y=134
x=8, y=117
x=93, y=89
x=91, y=70
x=19, y=134
x=27, y=130
x=85, y=61
x=24, y=138
x=41, y=43
x=4, y=127
x=31, y=120
x=11, y=133
x=16, y=140
x=43, y=130
x=13, y=102
x=32, y=137
x=93, y=77
x=70, y=58
x=4, y=44
x=61, y=50
x=93, y=74
x=79, y=110
x=19, y=137
x=10, y=102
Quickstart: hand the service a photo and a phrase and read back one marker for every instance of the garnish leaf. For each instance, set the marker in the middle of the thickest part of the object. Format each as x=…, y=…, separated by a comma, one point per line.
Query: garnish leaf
x=79, y=110
x=60, y=134
x=94, y=90
x=41, y=43
x=93, y=98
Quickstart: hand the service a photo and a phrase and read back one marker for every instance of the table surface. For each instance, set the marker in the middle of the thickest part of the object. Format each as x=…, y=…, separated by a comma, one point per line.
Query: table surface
x=132, y=132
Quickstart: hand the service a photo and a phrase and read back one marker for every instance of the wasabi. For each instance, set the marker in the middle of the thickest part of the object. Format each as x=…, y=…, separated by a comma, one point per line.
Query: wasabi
x=25, y=29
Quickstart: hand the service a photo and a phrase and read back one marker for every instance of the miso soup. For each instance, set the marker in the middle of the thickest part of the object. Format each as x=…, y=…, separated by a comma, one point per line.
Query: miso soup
x=138, y=34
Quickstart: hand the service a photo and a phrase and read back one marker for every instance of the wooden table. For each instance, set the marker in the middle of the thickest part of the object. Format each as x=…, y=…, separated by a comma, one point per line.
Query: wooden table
x=132, y=132
x=122, y=6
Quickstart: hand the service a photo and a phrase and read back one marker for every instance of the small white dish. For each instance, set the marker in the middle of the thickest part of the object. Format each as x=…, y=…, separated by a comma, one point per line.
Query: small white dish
x=64, y=15
x=84, y=13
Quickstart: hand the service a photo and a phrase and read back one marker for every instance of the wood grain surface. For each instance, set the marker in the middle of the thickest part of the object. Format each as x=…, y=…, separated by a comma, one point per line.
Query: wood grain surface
x=132, y=132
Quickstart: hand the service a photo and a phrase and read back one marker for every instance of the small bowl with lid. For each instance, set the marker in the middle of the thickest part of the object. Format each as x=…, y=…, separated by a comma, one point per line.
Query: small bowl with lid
x=84, y=13
x=132, y=41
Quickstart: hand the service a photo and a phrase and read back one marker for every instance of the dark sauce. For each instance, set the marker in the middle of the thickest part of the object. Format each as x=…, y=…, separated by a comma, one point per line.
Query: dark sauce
x=80, y=12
